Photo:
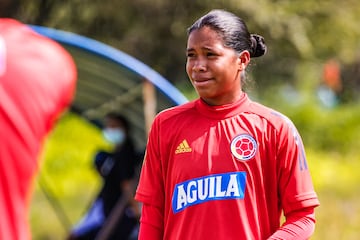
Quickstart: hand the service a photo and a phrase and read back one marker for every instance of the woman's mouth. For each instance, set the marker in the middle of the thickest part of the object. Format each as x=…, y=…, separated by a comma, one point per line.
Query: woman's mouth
x=198, y=82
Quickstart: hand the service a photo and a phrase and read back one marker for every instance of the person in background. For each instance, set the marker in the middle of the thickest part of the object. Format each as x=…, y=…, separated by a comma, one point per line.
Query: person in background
x=118, y=170
x=223, y=166
x=37, y=83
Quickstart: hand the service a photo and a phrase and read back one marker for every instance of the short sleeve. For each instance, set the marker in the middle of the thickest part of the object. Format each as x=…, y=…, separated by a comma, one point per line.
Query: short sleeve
x=150, y=189
x=295, y=183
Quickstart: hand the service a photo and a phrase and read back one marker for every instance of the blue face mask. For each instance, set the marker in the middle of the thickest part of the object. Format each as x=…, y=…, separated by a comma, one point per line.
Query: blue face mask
x=114, y=135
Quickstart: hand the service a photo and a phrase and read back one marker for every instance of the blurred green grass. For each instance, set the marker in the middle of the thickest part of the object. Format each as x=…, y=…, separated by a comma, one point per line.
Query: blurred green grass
x=336, y=179
x=67, y=172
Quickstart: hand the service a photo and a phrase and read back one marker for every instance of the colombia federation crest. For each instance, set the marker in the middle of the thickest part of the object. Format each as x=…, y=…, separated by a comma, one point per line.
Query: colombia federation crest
x=243, y=147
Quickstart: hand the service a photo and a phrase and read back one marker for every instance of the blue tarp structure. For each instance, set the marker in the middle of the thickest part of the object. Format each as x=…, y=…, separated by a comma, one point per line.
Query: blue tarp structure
x=111, y=80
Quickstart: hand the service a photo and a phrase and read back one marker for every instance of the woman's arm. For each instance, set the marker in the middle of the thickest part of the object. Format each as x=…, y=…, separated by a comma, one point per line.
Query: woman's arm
x=298, y=225
x=151, y=223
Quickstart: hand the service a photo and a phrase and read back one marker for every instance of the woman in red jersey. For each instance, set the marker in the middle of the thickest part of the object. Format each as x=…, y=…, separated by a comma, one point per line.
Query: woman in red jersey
x=223, y=166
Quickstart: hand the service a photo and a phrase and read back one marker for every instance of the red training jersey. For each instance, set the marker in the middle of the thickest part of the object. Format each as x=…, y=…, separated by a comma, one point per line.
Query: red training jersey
x=224, y=172
x=37, y=82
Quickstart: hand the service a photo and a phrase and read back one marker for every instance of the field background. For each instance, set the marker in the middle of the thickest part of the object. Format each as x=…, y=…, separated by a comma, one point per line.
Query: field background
x=302, y=38
x=331, y=138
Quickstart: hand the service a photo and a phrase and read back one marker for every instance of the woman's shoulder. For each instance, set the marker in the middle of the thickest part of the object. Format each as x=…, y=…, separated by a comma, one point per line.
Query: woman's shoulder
x=272, y=116
x=176, y=111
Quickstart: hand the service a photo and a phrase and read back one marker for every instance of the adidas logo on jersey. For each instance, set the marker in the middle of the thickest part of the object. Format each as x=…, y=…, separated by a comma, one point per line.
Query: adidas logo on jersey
x=183, y=147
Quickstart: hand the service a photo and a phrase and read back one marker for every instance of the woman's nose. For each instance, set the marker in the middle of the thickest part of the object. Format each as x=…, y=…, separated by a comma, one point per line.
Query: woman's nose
x=199, y=65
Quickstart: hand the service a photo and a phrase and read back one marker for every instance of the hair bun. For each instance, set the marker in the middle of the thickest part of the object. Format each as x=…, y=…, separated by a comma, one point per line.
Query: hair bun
x=258, y=46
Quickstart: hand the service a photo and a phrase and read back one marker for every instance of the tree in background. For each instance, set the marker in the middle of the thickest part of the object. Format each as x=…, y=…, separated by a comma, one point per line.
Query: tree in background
x=301, y=35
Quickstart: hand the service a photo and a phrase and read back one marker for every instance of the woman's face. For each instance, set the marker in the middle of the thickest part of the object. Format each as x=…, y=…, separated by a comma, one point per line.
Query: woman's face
x=214, y=70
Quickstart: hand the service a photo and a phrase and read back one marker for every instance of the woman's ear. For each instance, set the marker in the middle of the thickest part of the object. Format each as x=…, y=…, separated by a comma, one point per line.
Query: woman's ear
x=244, y=59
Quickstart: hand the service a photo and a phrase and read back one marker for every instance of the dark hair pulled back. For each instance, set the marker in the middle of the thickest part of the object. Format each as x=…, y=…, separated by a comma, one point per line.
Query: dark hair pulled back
x=233, y=31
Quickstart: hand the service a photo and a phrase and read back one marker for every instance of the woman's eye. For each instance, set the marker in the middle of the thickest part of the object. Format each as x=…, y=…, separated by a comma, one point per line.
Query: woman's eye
x=189, y=55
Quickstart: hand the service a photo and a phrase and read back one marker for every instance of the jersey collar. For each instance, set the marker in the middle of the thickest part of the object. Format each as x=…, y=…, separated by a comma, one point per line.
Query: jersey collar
x=223, y=111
